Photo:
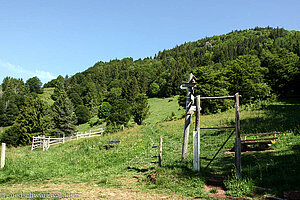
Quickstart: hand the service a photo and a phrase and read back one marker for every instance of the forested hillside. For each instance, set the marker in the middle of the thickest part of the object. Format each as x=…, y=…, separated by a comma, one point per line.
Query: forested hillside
x=258, y=63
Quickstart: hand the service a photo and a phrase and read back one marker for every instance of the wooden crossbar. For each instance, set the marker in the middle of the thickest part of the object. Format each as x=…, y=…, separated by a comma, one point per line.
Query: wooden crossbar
x=222, y=127
x=221, y=97
x=258, y=142
x=259, y=139
x=260, y=134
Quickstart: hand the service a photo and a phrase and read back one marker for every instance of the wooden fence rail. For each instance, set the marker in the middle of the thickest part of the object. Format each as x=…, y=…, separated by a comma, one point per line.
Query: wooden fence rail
x=46, y=141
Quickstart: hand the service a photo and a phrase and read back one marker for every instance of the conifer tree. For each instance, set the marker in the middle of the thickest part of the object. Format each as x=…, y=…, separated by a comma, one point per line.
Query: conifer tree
x=64, y=116
x=140, y=108
x=32, y=120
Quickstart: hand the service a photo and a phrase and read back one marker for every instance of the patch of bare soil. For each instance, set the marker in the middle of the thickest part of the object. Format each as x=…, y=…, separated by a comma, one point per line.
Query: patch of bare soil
x=81, y=191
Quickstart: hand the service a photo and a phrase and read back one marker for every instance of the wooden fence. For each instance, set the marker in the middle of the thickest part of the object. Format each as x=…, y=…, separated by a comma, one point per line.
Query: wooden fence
x=46, y=141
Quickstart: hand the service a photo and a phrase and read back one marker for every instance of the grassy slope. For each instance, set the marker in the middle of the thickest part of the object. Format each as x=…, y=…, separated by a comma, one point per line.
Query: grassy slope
x=129, y=165
x=46, y=96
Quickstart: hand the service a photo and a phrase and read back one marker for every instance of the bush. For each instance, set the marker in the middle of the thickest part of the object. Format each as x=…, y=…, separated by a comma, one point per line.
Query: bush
x=83, y=114
x=104, y=110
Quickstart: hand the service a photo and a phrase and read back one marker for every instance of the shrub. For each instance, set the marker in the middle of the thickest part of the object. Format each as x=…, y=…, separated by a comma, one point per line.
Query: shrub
x=83, y=114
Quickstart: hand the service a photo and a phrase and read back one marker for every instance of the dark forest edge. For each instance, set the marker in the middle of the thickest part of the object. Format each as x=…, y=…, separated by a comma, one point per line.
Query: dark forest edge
x=259, y=63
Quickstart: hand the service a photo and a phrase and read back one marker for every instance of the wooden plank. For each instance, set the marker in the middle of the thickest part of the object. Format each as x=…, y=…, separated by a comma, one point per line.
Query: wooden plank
x=188, y=85
x=221, y=97
x=260, y=134
x=258, y=142
x=221, y=127
x=2, y=155
x=259, y=139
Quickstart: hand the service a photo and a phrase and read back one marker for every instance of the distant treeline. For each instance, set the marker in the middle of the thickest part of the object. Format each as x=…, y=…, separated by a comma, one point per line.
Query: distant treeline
x=258, y=63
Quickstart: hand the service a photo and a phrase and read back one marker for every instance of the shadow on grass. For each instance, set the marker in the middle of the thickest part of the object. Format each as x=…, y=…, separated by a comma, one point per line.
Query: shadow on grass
x=280, y=117
x=278, y=170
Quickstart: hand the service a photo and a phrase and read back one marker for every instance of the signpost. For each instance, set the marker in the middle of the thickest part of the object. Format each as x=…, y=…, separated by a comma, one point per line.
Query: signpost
x=189, y=86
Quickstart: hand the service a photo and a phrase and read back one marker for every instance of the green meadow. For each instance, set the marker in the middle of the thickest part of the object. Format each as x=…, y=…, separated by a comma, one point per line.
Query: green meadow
x=129, y=165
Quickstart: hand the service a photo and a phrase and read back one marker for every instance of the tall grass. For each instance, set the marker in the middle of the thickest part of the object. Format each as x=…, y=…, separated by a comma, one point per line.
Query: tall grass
x=87, y=160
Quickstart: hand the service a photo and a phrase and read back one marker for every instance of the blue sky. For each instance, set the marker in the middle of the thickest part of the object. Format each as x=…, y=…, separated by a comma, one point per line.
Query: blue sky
x=47, y=38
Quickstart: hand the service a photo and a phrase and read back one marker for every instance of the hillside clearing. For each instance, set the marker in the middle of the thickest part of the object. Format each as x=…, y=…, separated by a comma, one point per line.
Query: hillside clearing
x=127, y=169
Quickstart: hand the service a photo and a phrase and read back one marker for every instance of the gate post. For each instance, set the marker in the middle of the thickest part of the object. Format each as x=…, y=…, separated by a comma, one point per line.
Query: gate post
x=238, y=159
x=196, y=136
x=2, y=155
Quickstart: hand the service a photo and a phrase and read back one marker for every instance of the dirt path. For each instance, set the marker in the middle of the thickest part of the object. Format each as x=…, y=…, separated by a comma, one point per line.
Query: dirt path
x=78, y=191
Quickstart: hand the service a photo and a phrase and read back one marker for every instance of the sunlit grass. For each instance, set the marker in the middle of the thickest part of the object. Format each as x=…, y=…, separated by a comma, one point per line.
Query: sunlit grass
x=87, y=161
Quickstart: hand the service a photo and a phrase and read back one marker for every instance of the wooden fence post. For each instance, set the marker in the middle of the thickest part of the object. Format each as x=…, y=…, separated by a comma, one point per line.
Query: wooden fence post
x=44, y=144
x=32, y=143
x=2, y=155
x=238, y=158
x=188, y=118
x=48, y=143
x=196, y=137
x=160, y=152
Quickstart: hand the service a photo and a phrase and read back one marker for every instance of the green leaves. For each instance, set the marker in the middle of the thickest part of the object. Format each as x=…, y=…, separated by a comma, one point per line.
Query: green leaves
x=140, y=108
x=83, y=114
x=247, y=76
x=64, y=116
x=32, y=120
x=35, y=85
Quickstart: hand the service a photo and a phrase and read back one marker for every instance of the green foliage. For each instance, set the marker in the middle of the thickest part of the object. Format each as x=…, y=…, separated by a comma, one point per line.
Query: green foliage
x=252, y=62
x=59, y=88
x=12, y=93
x=35, y=85
x=238, y=187
x=87, y=162
x=83, y=114
x=212, y=81
x=154, y=89
x=120, y=113
x=32, y=120
x=104, y=110
x=76, y=99
x=283, y=68
x=246, y=76
x=11, y=114
x=140, y=108
x=64, y=116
